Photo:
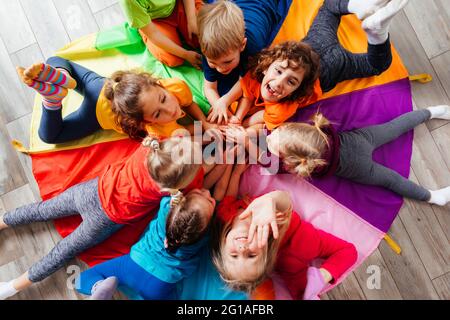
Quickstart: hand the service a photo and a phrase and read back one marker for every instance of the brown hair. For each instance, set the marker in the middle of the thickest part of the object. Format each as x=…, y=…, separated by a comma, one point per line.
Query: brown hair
x=123, y=89
x=299, y=55
x=221, y=28
x=219, y=233
x=168, y=172
x=303, y=145
x=185, y=224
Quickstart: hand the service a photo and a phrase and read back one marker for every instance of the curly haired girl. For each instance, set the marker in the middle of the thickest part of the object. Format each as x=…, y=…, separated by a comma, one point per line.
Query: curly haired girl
x=293, y=75
x=130, y=102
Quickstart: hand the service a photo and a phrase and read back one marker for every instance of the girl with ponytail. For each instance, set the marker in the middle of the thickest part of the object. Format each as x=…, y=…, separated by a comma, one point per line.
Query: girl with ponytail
x=129, y=102
x=315, y=149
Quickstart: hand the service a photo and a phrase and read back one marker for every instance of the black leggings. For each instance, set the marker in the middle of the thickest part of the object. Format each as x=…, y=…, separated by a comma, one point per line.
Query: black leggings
x=338, y=64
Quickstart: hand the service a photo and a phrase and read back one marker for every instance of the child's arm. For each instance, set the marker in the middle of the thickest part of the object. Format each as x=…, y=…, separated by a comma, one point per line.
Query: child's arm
x=242, y=110
x=222, y=184
x=214, y=175
x=255, y=119
x=194, y=110
x=233, y=185
x=162, y=41
x=219, y=105
x=191, y=17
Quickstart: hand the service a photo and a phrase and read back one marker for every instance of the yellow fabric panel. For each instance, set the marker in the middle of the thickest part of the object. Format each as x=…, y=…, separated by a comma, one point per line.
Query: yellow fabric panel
x=296, y=25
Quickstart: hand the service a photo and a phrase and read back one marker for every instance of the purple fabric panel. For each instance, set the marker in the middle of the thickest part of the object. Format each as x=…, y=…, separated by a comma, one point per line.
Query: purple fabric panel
x=359, y=109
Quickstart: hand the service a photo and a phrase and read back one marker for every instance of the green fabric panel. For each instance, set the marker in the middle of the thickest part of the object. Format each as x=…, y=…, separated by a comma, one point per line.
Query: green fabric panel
x=128, y=41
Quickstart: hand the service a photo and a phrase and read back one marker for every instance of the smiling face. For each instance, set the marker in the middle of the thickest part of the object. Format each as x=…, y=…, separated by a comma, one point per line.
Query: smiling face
x=159, y=105
x=243, y=260
x=280, y=80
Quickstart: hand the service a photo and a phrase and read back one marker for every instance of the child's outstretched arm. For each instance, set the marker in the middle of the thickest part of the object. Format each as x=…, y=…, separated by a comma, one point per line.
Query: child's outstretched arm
x=194, y=110
x=222, y=184
x=219, y=105
x=244, y=106
x=191, y=17
x=233, y=185
x=255, y=119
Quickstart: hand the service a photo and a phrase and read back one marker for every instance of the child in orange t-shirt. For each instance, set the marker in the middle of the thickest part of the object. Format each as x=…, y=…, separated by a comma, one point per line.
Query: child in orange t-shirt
x=293, y=74
x=130, y=102
x=125, y=193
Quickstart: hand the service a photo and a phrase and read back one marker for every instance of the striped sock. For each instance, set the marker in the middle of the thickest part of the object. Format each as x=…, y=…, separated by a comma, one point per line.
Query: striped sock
x=52, y=94
x=47, y=73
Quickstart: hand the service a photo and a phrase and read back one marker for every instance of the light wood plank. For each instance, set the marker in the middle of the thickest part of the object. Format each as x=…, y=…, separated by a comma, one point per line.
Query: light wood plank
x=431, y=24
x=47, y=25
x=407, y=269
x=77, y=17
x=12, y=175
x=349, y=289
x=110, y=17
x=9, y=244
x=427, y=236
x=13, y=102
x=20, y=130
x=442, y=66
x=388, y=290
x=97, y=5
x=416, y=61
x=14, y=27
x=25, y=58
x=442, y=285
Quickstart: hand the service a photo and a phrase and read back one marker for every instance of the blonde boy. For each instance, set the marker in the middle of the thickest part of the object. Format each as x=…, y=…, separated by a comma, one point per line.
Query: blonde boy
x=230, y=32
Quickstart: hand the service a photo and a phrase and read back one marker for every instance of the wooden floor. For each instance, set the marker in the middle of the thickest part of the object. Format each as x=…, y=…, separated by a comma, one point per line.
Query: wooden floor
x=31, y=31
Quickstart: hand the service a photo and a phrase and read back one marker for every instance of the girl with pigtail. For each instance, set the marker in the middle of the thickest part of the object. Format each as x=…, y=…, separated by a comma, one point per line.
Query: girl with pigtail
x=124, y=193
x=315, y=150
x=130, y=102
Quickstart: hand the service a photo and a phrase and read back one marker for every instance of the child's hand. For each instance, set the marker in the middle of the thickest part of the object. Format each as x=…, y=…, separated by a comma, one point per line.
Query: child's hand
x=315, y=283
x=234, y=120
x=263, y=214
x=235, y=133
x=194, y=58
x=218, y=112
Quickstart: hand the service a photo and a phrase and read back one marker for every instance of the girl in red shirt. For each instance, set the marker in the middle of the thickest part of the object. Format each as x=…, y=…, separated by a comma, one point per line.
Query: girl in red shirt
x=125, y=193
x=252, y=240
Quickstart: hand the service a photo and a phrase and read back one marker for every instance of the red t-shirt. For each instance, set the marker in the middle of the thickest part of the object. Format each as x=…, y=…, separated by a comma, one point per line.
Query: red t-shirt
x=127, y=191
x=275, y=113
x=301, y=244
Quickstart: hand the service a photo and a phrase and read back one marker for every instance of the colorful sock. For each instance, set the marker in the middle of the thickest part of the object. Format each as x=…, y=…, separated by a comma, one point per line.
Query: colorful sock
x=7, y=290
x=104, y=289
x=52, y=94
x=440, y=112
x=440, y=197
x=376, y=26
x=46, y=73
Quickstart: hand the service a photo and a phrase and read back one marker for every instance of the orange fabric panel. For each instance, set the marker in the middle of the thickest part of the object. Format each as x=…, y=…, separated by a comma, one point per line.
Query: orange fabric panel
x=296, y=25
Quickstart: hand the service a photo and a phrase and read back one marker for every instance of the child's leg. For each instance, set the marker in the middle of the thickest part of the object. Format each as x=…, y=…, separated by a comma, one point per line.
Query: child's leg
x=128, y=273
x=62, y=205
x=381, y=134
x=83, y=122
x=170, y=31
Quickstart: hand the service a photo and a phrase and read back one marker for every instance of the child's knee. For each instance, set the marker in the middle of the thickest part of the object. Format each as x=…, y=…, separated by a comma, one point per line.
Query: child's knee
x=46, y=137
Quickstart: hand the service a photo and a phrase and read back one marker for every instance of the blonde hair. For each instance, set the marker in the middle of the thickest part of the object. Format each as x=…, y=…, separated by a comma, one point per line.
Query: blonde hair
x=265, y=268
x=170, y=174
x=221, y=28
x=305, y=145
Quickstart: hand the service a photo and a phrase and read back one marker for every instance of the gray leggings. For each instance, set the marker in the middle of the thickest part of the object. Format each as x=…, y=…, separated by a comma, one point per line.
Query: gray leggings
x=338, y=64
x=96, y=227
x=356, y=149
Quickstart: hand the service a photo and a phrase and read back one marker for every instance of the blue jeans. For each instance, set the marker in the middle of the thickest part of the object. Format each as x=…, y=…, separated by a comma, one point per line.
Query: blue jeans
x=130, y=274
x=82, y=122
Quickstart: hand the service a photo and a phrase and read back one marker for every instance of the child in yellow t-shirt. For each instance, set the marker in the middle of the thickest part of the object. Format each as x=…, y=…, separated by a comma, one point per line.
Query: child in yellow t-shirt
x=130, y=102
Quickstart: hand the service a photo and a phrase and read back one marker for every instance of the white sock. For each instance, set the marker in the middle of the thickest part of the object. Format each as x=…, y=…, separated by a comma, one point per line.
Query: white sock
x=440, y=197
x=365, y=8
x=7, y=290
x=440, y=112
x=376, y=25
